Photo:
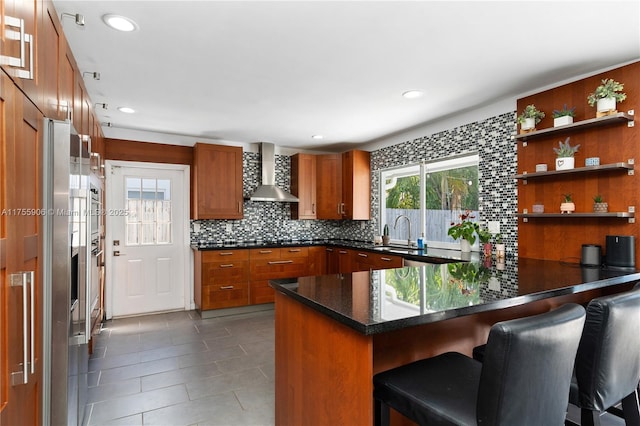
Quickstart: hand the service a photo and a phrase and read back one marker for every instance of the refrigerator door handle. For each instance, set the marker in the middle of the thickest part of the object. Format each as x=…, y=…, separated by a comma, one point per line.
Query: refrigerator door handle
x=31, y=278
x=22, y=377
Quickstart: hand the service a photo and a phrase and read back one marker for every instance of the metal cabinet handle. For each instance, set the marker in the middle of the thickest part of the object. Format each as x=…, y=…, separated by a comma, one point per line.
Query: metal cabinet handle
x=239, y=206
x=313, y=208
x=386, y=259
x=362, y=255
x=24, y=38
x=226, y=253
x=265, y=251
x=280, y=262
x=32, y=278
x=22, y=377
x=342, y=252
x=227, y=265
x=329, y=250
x=226, y=287
x=294, y=250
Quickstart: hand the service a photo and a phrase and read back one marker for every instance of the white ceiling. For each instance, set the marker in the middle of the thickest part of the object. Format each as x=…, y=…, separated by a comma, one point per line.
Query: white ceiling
x=238, y=71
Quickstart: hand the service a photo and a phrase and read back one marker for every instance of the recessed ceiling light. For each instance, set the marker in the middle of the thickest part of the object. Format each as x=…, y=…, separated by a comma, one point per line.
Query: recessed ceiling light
x=126, y=110
x=412, y=94
x=120, y=23
x=317, y=137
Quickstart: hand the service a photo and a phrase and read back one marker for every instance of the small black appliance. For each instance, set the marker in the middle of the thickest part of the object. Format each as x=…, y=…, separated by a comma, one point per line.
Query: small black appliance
x=621, y=252
x=591, y=255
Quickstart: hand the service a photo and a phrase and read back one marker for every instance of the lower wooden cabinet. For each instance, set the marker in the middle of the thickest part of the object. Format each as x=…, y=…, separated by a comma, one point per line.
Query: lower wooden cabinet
x=221, y=279
x=232, y=278
x=273, y=263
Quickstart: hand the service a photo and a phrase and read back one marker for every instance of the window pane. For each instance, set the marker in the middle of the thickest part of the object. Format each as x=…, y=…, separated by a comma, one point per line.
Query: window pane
x=133, y=188
x=148, y=233
x=164, y=189
x=402, y=199
x=133, y=234
x=164, y=233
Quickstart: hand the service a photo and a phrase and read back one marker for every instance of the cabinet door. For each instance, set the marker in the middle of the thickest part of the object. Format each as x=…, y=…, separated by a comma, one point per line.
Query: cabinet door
x=20, y=300
x=217, y=182
x=50, y=67
x=303, y=186
x=20, y=54
x=332, y=265
x=356, y=185
x=329, y=186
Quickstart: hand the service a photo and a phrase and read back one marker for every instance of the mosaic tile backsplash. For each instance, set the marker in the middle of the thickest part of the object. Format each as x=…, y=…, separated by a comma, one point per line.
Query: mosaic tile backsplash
x=492, y=139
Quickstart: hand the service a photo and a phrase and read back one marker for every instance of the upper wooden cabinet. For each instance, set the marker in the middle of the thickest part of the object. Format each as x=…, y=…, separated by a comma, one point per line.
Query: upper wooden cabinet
x=356, y=185
x=344, y=186
x=329, y=186
x=217, y=182
x=303, y=186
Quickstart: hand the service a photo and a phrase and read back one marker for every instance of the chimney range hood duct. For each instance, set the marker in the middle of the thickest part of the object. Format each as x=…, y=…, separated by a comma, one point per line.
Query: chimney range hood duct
x=268, y=191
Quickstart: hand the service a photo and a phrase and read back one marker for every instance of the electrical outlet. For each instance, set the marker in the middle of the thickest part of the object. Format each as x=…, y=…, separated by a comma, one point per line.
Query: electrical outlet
x=307, y=224
x=494, y=226
x=229, y=228
x=196, y=227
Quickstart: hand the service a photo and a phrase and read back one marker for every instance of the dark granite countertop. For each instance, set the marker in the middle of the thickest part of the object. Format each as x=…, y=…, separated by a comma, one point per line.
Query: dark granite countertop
x=380, y=301
x=426, y=255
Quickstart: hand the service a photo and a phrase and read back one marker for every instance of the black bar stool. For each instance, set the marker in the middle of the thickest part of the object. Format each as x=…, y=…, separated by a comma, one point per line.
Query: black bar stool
x=524, y=379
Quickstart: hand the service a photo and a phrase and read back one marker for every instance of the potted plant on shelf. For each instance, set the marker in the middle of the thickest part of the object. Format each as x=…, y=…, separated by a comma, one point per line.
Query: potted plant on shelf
x=567, y=206
x=605, y=97
x=485, y=240
x=565, y=153
x=564, y=116
x=599, y=205
x=465, y=230
x=385, y=235
x=529, y=118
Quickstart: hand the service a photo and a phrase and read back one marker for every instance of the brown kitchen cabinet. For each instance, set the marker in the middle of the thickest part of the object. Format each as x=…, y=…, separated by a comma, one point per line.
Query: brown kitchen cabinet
x=363, y=260
x=273, y=263
x=221, y=279
x=303, y=186
x=343, y=185
x=217, y=182
x=317, y=260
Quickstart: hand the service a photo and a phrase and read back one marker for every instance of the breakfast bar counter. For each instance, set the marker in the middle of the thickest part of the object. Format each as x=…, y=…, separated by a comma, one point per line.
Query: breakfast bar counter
x=334, y=332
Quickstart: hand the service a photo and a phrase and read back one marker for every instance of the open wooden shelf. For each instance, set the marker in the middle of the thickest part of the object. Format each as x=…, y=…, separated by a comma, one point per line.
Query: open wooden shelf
x=620, y=117
x=574, y=215
x=601, y=168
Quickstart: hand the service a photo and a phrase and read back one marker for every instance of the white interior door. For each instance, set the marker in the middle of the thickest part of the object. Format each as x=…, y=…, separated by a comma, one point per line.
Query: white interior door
x=146, y=239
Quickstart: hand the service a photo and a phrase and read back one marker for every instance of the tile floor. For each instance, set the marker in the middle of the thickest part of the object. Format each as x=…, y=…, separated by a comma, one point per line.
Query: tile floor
x=178, y=369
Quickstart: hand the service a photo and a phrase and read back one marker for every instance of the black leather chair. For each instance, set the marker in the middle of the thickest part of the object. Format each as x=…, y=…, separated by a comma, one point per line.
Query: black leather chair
x=608, y=361
x=524, y=379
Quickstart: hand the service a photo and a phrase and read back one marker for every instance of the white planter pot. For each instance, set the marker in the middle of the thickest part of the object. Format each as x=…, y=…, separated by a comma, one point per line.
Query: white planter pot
x=567, y=207
x=606, y=104
x=529, y=123
x=562, y=121
x=465, y=247
x=565, y=163
x=500, y=252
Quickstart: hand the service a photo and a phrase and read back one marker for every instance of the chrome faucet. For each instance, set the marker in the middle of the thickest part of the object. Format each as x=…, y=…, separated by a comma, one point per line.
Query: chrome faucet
x=409, y=233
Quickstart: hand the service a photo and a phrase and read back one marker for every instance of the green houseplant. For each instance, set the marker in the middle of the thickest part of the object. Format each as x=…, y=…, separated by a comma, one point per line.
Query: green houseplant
x=564, y=116
x=599, y=205
x=605, y=97
x=530, y=117
x=565, y=155
x=567, y=206
x=465, y=230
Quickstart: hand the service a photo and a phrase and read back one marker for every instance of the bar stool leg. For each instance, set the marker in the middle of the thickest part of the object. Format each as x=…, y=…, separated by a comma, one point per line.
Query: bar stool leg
x=631, y=409
x=382, y=413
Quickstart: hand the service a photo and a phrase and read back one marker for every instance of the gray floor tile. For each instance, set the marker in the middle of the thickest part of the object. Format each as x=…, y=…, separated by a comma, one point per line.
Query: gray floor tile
x=211, y=410
x=225, y=383
x=246, y=362
x=212, y=355
x=138, y=370
x=173, y=351
x=113, y=361
x=113, y=390
x=139, y=403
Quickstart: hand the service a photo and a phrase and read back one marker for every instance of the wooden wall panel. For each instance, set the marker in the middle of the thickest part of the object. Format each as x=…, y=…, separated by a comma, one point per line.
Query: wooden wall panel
x=119, y=149
x=562, y=238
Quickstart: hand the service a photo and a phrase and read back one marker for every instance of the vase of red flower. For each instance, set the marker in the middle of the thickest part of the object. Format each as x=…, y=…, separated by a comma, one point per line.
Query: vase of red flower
x=465, y=230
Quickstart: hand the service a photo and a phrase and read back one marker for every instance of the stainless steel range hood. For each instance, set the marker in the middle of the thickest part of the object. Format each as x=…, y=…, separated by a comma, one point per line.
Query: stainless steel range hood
x=268, y=191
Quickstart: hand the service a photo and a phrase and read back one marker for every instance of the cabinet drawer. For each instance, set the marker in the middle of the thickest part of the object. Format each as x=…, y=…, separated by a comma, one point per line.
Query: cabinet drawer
x=291, y=252
x=264, y=269
x=224, y=272
x=265, y=253
x=225, y=296
x=224, y=255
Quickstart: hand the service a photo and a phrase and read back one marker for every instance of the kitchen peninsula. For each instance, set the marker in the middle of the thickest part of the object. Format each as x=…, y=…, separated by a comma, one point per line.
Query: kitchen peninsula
x=334, y=332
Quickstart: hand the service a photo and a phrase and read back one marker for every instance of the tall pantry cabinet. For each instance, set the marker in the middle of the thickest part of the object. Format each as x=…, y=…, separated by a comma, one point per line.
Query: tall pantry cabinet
x=38, y=78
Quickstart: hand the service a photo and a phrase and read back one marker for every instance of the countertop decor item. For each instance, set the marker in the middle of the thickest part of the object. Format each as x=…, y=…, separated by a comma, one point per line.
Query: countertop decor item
x=485, y=239
x=564, y=116
x=606, y=96
x=538, y=208
x=565, y=153
x=500, y=249
x=529, y=118
x=599, y=205
x=385, y=235
x=568, y=205
x=465, y=230
x=592, y=161
x=541, y=167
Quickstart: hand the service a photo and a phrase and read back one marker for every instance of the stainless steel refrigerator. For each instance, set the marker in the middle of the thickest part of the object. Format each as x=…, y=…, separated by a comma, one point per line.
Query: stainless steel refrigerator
x=67, y=276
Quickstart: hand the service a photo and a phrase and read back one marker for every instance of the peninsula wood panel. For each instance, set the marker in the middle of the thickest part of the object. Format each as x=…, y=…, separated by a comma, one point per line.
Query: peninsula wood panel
x=562, y=238
x=356, y=184
x=119, y=149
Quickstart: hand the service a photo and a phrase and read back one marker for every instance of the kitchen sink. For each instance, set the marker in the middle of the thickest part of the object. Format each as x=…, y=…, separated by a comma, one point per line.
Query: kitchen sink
x=419, y=255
